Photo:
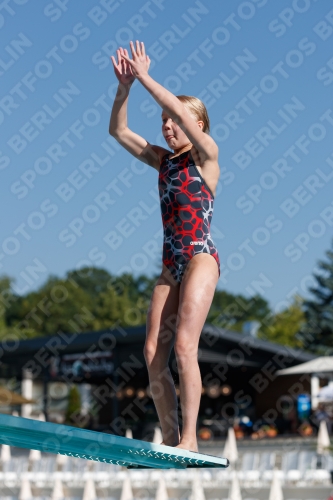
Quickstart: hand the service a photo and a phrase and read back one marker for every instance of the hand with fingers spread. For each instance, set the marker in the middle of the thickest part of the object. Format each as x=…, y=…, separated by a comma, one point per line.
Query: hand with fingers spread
x=140, y=62
x=122, y=69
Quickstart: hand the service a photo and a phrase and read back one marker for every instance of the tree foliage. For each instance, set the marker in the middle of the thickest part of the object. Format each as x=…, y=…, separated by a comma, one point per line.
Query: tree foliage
x=283, y=327
x=317, y=331
x=231, y=311
x=86, y=300
x=91, y=299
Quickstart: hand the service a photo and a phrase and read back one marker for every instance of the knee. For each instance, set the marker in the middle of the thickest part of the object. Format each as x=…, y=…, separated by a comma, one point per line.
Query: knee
x=184, y=352
x=155, y=359
x=149, y=351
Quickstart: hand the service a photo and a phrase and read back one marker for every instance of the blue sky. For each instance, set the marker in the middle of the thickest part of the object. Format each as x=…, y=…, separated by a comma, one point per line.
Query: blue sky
x=71, y=196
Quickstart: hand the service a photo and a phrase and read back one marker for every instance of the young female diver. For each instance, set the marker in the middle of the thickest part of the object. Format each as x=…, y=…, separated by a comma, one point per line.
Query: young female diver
x=188, y=176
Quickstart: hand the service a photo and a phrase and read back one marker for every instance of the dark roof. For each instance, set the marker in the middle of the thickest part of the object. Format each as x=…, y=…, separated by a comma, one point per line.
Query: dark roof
x=75, y=342
x=261, y=345
x=218, y=341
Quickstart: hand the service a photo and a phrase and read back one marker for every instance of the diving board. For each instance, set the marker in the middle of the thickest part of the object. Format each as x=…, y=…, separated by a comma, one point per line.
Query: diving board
x=98, y=446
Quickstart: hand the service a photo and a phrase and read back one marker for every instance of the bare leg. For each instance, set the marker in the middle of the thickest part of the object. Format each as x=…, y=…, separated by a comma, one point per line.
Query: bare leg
x=161, y=321
x=196, y=295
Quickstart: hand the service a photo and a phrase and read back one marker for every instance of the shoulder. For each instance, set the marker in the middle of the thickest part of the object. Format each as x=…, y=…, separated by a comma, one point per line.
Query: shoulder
x=152, y=155
x=201, y=159
x=160, y=152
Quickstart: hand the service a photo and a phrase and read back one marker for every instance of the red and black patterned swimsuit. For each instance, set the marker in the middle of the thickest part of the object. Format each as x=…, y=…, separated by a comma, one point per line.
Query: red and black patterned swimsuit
x=187, y=208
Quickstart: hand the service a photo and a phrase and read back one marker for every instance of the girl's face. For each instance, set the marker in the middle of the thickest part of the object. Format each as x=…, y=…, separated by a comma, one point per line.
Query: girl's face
x=173, y=134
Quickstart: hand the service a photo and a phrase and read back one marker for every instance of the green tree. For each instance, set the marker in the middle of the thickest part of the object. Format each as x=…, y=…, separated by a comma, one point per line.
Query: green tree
x=122, y=299
x=141, y=287
x=317, y=332
x=136, y=294
x=110, y=309
x=57, y=305
x=4, y=286
x=88, y=299
x=231, y=311
x=92, y=299
x=6, y=299
x=91, y=280
x=283, y=327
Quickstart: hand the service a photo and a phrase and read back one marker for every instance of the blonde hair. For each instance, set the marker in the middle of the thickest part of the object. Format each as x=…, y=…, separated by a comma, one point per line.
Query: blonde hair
x=197, y=108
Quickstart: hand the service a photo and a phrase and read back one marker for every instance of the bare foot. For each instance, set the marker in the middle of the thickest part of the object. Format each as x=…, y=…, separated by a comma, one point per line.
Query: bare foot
x=188, y=446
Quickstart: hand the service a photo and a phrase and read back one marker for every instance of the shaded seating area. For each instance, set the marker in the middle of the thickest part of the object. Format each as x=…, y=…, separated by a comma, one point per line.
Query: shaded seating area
x=301, y=474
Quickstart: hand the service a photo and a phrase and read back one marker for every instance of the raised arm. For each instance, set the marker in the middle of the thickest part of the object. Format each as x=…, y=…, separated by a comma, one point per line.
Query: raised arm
x=170, y=104
x=132, y=142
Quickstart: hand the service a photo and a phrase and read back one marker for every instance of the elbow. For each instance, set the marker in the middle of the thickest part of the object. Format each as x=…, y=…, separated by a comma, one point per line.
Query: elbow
x=112, y=131
x=117, y=131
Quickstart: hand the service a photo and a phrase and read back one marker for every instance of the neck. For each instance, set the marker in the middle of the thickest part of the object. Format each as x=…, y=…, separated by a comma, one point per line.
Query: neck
x=179, y=151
